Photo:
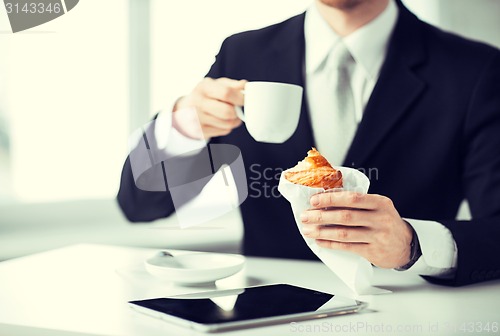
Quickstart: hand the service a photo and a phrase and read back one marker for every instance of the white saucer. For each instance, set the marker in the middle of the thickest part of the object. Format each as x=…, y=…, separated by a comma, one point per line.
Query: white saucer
x=195, y=268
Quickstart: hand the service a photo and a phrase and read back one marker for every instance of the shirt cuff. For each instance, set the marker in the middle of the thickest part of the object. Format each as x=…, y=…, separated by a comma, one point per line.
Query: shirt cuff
x=439, y=249
x=170, y=140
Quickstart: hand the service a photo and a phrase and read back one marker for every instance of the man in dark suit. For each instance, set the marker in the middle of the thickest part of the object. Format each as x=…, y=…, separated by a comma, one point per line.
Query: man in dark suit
x=429, y=125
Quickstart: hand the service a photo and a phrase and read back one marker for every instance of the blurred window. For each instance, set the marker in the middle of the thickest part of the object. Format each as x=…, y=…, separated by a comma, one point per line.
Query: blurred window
x=64, y=105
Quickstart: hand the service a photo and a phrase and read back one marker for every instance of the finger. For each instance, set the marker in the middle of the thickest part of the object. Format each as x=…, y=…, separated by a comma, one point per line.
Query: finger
x=211, y=132
x=220, y=90
x=358, y=248
x=236, y=84
x=218, y=109
x=338, y=233
x=209, y=120
x=347, y=199
x=341, y=216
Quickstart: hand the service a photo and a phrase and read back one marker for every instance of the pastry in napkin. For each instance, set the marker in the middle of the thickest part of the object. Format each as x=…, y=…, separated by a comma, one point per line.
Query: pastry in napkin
x=315, y=175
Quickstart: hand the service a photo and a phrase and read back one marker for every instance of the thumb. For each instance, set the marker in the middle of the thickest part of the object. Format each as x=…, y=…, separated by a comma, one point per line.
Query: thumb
x=233, y=83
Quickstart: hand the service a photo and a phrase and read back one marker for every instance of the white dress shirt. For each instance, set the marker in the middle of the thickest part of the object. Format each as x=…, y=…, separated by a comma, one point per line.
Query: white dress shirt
x=368, y=46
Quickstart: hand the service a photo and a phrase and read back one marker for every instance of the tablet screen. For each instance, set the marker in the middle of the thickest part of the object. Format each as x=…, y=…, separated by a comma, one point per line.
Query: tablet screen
x=240, y=305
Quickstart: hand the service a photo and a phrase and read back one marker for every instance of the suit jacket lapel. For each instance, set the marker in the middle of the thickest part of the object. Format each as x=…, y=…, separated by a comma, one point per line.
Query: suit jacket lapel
x=396, y=89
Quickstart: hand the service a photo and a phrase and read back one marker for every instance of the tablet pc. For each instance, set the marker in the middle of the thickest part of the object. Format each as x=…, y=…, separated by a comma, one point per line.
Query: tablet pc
x=246, y=307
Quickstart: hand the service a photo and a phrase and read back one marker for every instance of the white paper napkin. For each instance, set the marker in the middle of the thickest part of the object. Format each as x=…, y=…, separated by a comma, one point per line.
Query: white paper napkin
x=355, y=271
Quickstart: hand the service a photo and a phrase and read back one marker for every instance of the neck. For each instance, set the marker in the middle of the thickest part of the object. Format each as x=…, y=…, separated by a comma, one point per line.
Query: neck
x=347, y=19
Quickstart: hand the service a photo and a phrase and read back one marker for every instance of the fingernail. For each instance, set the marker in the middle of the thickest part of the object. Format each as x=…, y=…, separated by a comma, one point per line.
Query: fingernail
x=314, y=200
x=307, y=230
x=304, y=218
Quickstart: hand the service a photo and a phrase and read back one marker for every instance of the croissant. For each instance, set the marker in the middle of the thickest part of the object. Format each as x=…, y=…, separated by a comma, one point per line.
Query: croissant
x=315, y=171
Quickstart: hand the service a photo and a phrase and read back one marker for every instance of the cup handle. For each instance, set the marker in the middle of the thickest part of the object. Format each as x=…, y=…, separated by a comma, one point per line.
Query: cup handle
x=239, y=110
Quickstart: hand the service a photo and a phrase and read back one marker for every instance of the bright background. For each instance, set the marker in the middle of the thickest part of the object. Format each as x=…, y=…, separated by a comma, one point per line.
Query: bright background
x=72, y=90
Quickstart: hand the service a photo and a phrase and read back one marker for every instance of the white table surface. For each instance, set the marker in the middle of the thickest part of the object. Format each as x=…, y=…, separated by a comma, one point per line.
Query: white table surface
x=84, y=289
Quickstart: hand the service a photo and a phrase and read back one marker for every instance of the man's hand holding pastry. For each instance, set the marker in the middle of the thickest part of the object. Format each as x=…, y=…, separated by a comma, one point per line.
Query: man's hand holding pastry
x=366, y=224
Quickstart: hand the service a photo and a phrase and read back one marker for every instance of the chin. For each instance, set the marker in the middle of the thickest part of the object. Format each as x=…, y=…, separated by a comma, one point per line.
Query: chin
x=342, y=4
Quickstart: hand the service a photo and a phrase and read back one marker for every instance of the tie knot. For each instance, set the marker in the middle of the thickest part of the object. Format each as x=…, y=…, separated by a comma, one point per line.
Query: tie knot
x=340, y=57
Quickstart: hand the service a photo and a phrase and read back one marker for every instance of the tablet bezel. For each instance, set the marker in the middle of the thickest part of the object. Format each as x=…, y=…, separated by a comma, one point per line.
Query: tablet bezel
x=336, y=306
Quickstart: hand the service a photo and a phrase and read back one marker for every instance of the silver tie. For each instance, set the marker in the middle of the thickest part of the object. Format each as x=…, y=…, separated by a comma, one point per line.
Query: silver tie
x=342, y=120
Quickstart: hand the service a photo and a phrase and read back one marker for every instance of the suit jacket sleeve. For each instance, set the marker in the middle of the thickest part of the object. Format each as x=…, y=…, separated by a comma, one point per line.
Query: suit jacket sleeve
x=478, y=240
x=147, y=197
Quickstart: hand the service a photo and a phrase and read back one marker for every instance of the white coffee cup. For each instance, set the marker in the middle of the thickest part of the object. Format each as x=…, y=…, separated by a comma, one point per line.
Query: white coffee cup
x=272, y=110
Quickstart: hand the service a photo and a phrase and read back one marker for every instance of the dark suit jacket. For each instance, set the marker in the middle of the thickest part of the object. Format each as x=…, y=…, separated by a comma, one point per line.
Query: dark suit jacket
x=431, y=129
